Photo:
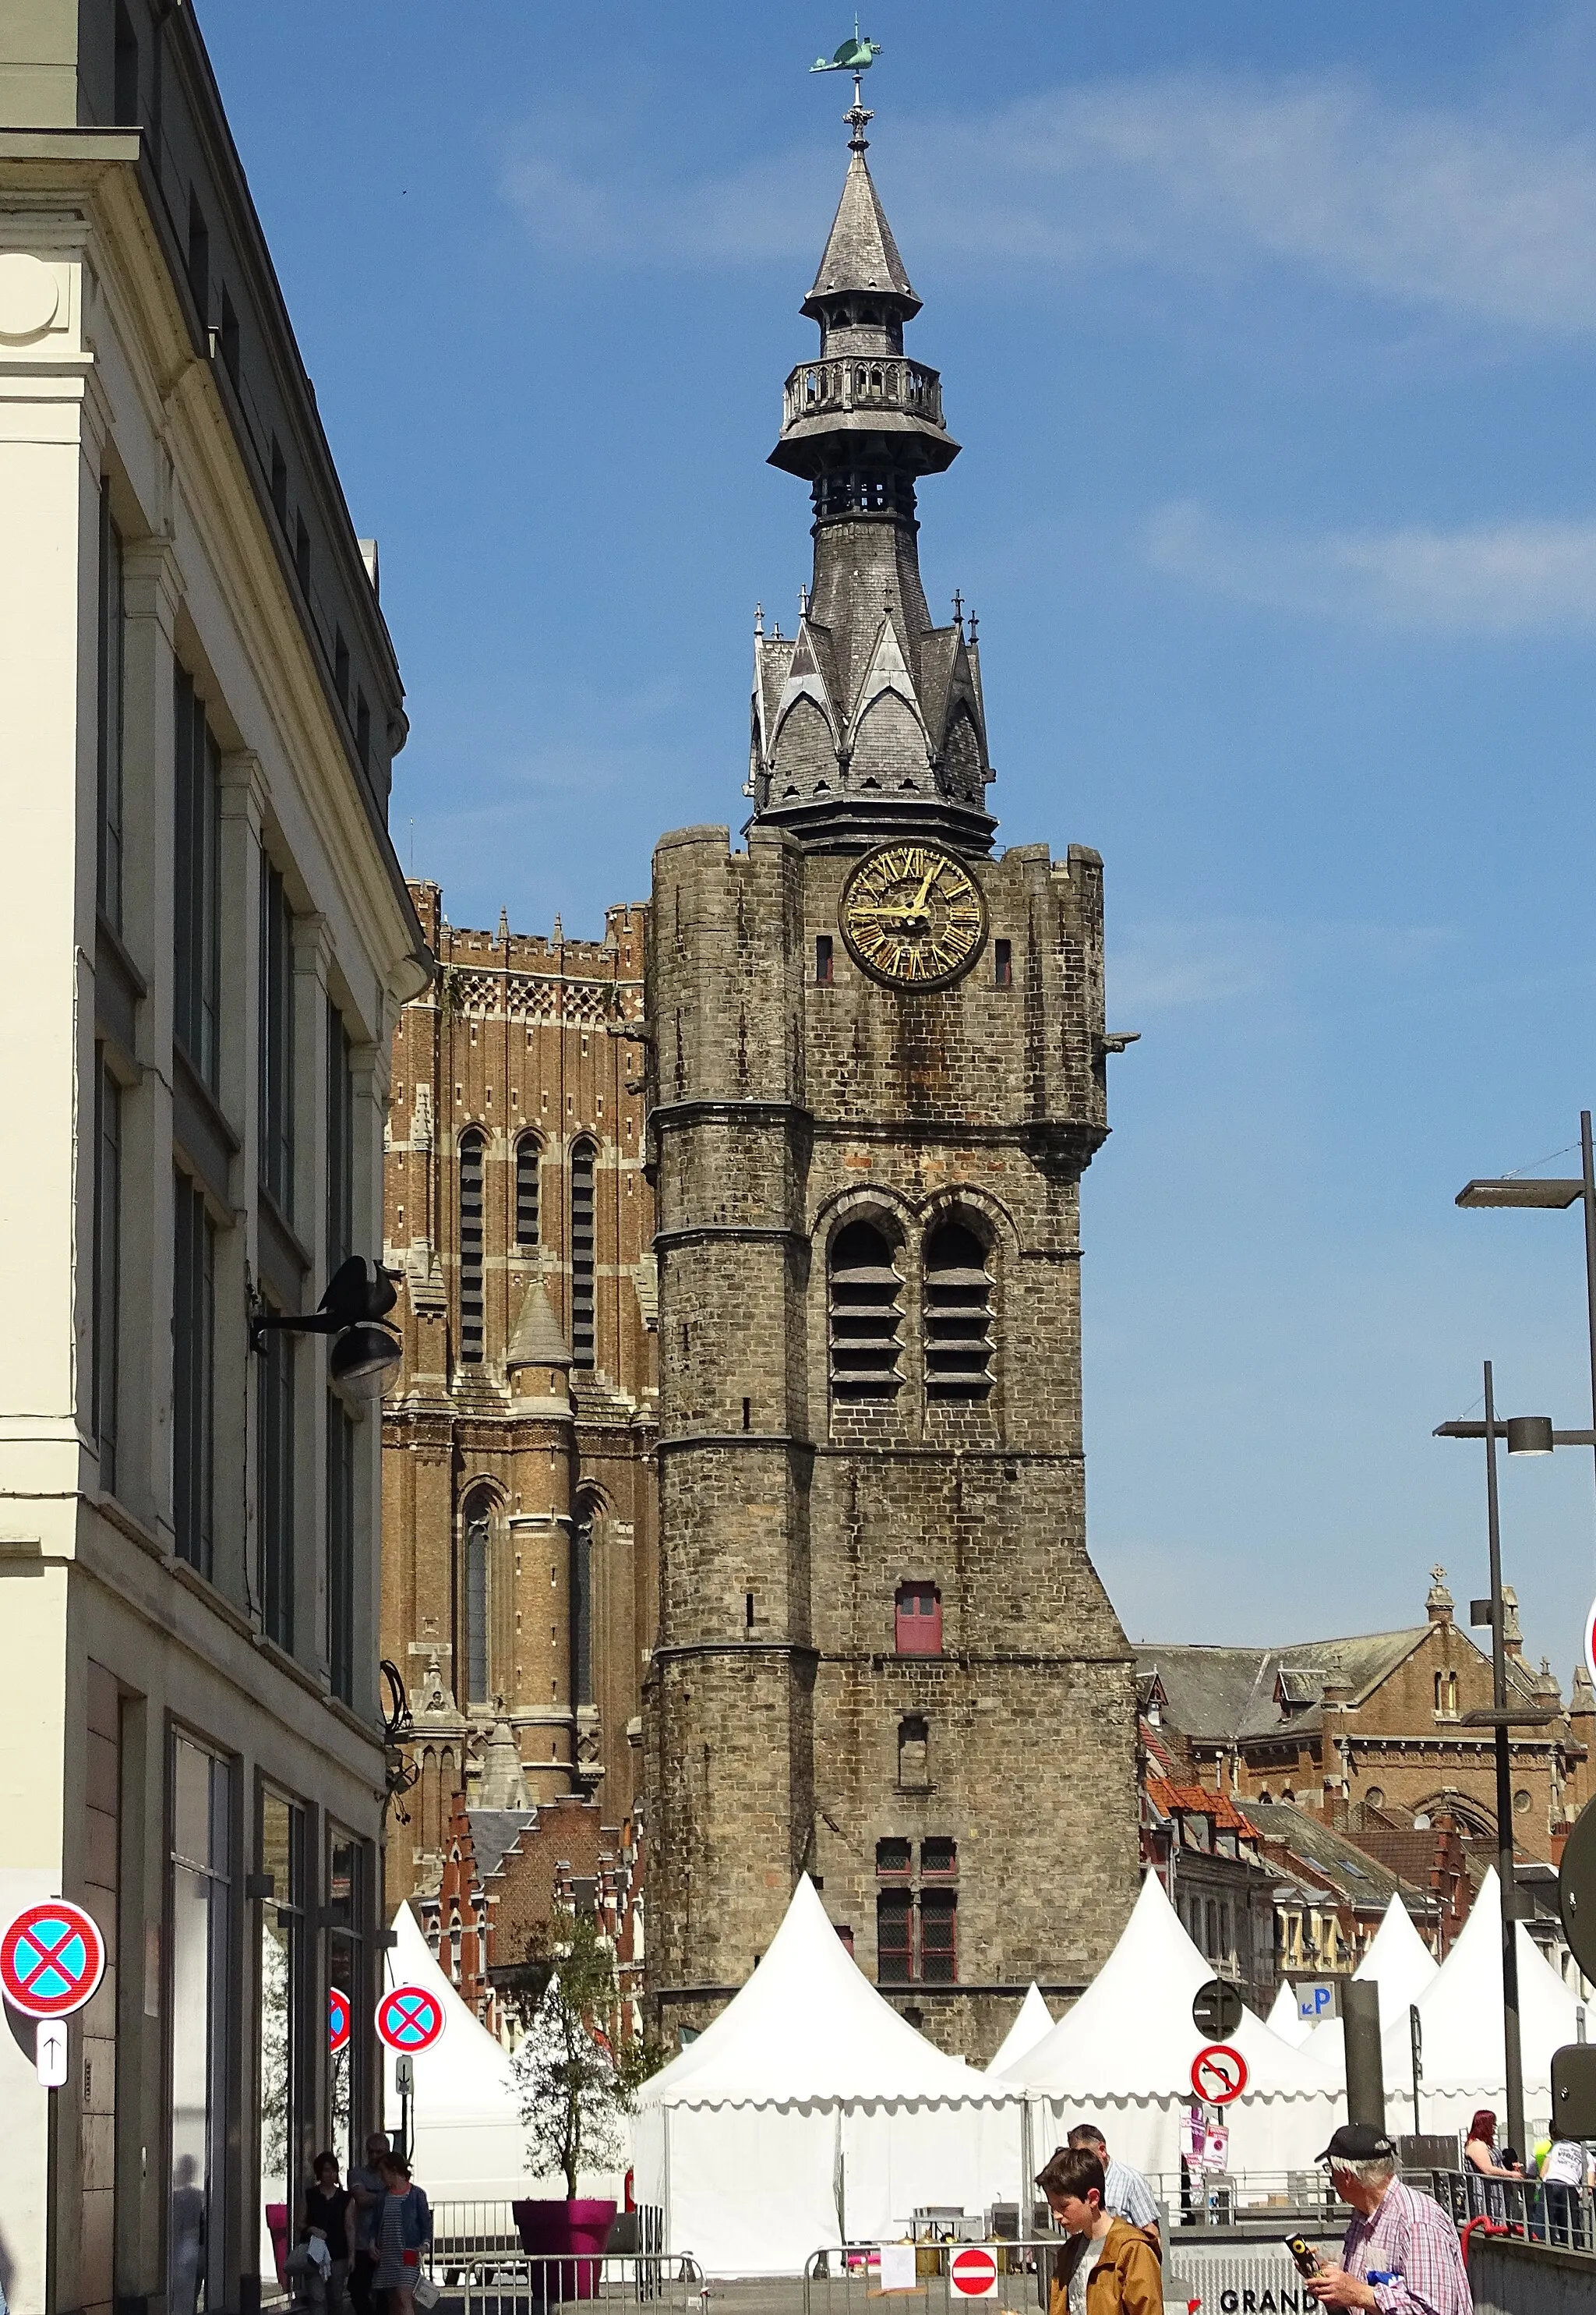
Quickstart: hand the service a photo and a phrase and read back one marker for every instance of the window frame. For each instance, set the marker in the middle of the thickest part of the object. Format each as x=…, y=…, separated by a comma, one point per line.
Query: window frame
x=196, y=934
x=108, y=1156
x=275, y=1056
x=471, y=1170
x=109, y=733
x=193, y=1376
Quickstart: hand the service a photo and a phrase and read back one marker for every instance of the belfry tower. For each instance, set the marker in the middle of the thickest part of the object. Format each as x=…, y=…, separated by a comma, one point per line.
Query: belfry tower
x=876, y=1076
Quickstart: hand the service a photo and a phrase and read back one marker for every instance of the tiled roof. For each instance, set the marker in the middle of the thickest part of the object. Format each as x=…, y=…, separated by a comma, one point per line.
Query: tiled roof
x=1232, y=1694
x=1351, y=1871
x=1196, y=1800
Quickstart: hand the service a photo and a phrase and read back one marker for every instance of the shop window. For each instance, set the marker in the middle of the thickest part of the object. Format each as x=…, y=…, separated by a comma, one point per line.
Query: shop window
x=201, y=2092
x=958, y=1315
x=918, y=1618
x=283, y=1957
x=863, y=1289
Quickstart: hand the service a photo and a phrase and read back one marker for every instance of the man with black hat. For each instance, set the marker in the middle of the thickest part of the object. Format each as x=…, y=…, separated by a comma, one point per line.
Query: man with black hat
x=1400, y=2254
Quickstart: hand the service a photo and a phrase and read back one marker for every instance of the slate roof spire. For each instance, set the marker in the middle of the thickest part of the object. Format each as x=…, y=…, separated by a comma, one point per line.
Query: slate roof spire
x=869, y=722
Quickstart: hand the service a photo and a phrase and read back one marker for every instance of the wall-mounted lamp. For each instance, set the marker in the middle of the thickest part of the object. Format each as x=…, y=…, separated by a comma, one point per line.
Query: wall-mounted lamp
x=365, y=1355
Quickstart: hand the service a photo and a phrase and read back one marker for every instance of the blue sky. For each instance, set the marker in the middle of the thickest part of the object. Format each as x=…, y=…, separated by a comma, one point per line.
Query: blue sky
x=1271, y=335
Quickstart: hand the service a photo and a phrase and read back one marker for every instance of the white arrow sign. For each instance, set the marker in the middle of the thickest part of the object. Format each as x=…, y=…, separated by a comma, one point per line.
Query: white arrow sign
x=49, y=2052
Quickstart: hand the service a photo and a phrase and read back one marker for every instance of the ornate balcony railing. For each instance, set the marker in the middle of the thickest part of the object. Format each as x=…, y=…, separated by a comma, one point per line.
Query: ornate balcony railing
x=861, y=382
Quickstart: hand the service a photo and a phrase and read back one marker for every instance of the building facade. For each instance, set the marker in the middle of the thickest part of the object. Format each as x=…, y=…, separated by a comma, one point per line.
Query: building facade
x=1377, y=1721
x=518, y=1484
x=876, y=1074
x=207, y=941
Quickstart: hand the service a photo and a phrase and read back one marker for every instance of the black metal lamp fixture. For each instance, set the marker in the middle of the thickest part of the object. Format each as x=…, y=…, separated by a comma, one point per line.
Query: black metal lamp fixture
x=365, y=1355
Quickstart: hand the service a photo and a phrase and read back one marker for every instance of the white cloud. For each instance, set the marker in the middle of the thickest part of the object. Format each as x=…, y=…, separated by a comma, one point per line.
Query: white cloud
x=1487, y=215
x=1484, y=578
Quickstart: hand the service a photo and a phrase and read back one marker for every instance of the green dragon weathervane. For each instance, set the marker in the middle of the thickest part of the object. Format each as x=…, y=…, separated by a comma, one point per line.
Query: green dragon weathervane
x=856, y=56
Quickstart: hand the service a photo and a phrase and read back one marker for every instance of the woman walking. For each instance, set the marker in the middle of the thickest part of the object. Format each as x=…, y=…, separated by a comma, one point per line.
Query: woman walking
x=403, y=2228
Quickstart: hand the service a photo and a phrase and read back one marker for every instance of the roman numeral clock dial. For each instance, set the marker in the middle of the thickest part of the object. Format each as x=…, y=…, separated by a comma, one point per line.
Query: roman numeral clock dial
x=912, y=915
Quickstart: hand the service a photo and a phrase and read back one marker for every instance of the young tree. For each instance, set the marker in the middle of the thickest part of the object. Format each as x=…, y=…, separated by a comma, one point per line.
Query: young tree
x=574, y=2092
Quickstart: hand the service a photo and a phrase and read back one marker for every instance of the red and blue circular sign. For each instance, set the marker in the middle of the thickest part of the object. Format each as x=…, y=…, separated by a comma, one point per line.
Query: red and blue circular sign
x=52, y=1958
x=338, y=2019
x=408, y=2018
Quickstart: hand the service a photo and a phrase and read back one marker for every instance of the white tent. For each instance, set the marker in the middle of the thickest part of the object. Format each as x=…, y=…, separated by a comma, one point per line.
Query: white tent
x=810, y=2109
x=1283, y=2019
x=1032, y=2021
x=1402, y=1966
x=469, y=2141
x=1460, y=2016
x=1399, y=1962
x=1123, y=2058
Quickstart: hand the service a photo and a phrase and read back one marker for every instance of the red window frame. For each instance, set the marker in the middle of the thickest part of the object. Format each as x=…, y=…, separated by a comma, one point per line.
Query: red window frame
x=939, y=1937
x=895, y=1937
x=917, y=1619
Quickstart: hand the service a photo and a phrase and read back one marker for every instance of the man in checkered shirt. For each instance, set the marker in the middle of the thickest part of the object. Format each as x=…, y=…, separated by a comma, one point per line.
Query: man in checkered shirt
x=1400, y=2254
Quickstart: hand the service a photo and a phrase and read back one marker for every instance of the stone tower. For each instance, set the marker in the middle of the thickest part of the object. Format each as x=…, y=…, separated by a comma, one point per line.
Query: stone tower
x=878, y=1073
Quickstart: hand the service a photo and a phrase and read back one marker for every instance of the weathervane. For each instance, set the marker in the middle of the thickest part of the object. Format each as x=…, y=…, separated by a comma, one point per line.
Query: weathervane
x=856, y=56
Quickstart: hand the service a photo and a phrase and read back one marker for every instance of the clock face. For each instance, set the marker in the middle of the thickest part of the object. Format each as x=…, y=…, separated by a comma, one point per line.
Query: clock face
x=913, y=915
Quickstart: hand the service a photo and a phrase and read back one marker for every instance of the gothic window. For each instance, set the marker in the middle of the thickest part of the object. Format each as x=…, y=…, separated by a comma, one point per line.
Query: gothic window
x=584, y=1250
x=528, y=1160
x=863, y=1313
x=917, y=1619
x=958, y=1315
x=472, y=1250
x=474, y=1599
x=581, y=1602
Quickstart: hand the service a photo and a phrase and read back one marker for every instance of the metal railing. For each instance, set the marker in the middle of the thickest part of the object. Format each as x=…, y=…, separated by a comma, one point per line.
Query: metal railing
x=515, y=2282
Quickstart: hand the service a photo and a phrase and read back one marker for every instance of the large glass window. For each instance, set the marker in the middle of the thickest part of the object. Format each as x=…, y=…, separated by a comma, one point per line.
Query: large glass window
x=341, y=1549
x=108, y=1259
x=275, y=1503
x=277, y=1040
x=281, y=2051
x=341, y=1142
x=194, y=1372
x=349, y=1887
x=199, y=1897
x=197, y=954
x=584, y=1223
x=108, y=874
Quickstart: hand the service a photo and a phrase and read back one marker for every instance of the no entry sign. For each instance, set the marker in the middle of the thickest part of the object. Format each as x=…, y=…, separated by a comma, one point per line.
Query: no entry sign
x=408, y=2018
x=1218, y=2073
x=973, y=2274
x=338, y=2019
x=52, y=1956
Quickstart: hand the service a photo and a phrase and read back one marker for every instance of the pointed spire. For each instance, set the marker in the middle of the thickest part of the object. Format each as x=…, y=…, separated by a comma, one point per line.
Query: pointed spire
x=860, y=252
x=503, y=939
x=538, y=1341
x=503, y=1786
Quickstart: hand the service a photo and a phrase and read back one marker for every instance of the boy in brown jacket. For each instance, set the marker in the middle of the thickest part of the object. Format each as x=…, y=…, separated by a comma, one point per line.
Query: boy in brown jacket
x=1107, y=2267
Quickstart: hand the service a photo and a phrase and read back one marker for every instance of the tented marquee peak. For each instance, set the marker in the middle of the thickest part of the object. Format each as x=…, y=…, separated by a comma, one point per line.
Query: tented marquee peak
x=808, y=2025
x=1399, y=1961
x=1034, y=2020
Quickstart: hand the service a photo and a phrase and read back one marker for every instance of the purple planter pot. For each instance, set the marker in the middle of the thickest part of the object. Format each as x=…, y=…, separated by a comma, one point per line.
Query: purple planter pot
x=573, y=2233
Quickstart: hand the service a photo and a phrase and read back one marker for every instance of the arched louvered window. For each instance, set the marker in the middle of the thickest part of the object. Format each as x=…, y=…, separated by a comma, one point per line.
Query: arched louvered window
x=865, y=1319
x=528, y=1162
x=583, y=1254
x=475, y=1600
x=472, y=1252
x=958, y=1315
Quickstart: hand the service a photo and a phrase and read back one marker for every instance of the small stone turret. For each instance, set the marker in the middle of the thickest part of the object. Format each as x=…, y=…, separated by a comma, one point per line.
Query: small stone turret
x=869, y=722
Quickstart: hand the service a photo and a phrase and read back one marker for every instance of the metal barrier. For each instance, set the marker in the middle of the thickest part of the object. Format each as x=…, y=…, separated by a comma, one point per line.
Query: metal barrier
x=840, y=2281
x=472, y=2231
x=512, y=2282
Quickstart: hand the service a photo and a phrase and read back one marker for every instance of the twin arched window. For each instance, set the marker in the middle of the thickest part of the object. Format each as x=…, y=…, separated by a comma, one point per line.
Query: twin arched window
x=865, y=1314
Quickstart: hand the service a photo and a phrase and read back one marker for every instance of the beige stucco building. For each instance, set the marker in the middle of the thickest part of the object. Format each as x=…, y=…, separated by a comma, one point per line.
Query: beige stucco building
x=205, y=944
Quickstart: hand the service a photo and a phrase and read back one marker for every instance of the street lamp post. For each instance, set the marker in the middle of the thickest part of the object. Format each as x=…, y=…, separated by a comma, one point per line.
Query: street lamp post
x=1524, y=1434
x=1547, y=1193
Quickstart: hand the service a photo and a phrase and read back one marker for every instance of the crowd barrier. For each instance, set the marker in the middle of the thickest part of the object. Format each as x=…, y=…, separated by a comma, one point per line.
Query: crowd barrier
x=510, y=2282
